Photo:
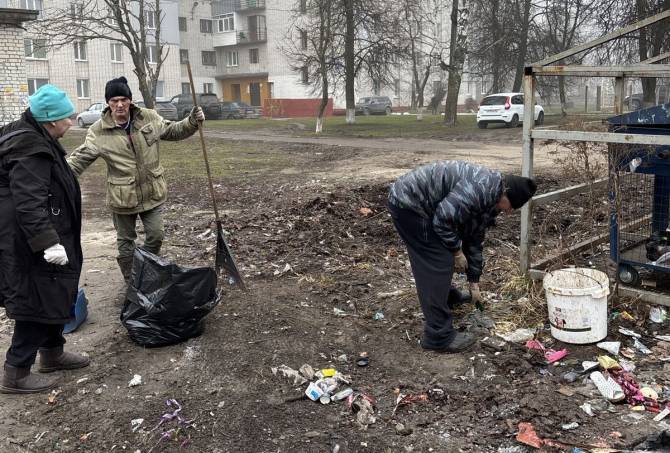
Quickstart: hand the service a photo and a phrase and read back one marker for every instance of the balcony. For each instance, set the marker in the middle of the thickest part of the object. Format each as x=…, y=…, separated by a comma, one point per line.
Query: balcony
x=251, y=5
x=252, y=36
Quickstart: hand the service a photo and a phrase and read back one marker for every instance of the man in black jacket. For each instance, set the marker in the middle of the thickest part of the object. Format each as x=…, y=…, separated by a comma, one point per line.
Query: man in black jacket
x=442, y=211
x=40, y=247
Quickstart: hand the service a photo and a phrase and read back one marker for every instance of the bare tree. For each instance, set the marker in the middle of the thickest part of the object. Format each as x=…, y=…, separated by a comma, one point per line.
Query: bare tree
x=135, y=24
x=313, y=52
x=420, y=29
x=457, y=51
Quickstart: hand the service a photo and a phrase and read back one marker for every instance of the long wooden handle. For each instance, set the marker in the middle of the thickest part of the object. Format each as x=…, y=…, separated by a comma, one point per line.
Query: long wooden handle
x=202, y=143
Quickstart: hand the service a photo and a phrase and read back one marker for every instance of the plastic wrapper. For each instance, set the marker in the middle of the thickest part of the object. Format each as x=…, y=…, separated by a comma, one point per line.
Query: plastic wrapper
x=167, y=303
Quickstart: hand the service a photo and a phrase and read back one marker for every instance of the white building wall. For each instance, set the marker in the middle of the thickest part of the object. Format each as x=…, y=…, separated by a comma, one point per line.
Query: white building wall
x=13, y=88
x=196, y=42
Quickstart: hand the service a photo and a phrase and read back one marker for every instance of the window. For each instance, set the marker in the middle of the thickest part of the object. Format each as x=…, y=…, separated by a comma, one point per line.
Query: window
x=152, y=54
x=208, y=88
x=232, y=59
x=182, y=24
x=150, y=19
x=34, y=84
x=253, y=56
x=303, y=6
x=116, y=50
x=185, y=88
x=111, y=19
x=160, y=89
x=304, y=74
x=183, y=56
x=35, y=48
x=303, y=39
x=82, y=89
x=227, y=23
x=80, y=51
x=396, y=87
x=205, y=26
x=208, y=58
x=77, y=10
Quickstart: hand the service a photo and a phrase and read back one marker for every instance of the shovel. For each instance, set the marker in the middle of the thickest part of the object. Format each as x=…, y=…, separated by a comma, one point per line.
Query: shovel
x=224, y=259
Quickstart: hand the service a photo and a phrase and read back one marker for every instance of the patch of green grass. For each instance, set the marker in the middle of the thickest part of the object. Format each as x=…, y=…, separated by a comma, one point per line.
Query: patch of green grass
x=185, y=158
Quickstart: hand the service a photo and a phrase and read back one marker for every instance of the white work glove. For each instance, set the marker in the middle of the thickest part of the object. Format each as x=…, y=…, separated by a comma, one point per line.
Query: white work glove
x=56, y=255
x=197, y=115
x=460, y=262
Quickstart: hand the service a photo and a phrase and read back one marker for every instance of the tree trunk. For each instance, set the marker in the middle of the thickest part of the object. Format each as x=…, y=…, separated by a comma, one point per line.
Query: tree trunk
x=456, y=60
x=349, y=61
x=561, y=95
x=523, y=47
x=324, y=99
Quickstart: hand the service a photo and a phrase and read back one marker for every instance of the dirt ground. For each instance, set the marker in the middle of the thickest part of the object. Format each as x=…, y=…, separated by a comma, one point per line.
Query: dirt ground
x=321, y=273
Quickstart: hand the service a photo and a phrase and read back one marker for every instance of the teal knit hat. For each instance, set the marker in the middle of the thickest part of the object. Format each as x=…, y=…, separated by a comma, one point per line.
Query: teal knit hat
x=50, y=104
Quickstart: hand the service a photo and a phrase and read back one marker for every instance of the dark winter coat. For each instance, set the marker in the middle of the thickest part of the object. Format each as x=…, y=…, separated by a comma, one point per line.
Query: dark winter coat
x=460, y=198
x=40, y=204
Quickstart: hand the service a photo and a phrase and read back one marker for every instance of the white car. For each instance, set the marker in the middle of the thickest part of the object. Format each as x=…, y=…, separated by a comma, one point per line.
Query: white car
x=90, y=115
x=505, y=108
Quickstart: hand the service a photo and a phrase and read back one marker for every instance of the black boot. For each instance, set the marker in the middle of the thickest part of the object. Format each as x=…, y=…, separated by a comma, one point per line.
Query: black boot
x=21, y=380
x=461, y=342
x=55, y=359
x=126, y=266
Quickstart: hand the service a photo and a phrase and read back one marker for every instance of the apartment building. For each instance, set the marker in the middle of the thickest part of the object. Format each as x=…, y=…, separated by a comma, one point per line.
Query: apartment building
x=234, y=48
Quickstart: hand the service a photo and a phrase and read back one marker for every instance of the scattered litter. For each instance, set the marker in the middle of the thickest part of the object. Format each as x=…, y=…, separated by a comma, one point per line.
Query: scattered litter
x=363, y=406
x=549, y=354
x=307, y=371
x=658, y=314
x=365, y=211
x=661, y=415
x=342, y=358
x=342, y=394
x=663, y=337
x=586, y=407
x=627, y=316
x=403, y=400
x=527, y=435
x=627, y=365
x=518, y=336
x=84, y=437
x=627, y=353
x=287, y=268
x=610, y=346
x=607, y=362
x=567, y=391
x=136, y=423
x=378, y=316
x=51, y=399
x=641, y=347
x=629, y=332
x=289, y=372
x=607, y=387
x=589, y=365
x=396, y=293
x=570, y=426
x=135, y=381
x=339, y=312
x=82, y=380
x=176, y=433
x=649, y=392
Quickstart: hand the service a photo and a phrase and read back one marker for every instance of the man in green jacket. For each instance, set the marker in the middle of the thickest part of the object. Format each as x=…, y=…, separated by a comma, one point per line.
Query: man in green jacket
x=127, y=138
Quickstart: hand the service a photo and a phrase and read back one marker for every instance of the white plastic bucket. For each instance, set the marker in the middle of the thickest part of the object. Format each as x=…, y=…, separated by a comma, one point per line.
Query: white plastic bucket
x=577, y=303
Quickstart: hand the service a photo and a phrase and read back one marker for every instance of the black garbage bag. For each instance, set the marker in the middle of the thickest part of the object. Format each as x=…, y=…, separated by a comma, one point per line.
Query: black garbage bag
x=167, y=303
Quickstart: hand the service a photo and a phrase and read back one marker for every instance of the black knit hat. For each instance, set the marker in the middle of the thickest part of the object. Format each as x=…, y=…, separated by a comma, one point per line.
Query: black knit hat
x=117, y=87
x=519, y=190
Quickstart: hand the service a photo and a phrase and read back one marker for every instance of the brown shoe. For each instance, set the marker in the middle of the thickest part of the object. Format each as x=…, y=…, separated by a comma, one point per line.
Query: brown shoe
x=21, y=380
x=55, y=359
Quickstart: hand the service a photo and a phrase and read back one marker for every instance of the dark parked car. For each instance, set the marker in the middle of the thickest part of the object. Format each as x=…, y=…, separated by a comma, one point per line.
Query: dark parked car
x=230, y=111
x=374, y=104
x=164, y=109
x=208, y=101
x=248, y=111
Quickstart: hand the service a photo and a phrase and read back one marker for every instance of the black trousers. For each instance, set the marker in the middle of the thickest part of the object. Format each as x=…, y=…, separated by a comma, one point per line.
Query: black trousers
x=433, y=267
x=28, y=338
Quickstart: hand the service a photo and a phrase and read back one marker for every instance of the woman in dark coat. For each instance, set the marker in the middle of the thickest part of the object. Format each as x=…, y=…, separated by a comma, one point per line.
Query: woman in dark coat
x=40, y=247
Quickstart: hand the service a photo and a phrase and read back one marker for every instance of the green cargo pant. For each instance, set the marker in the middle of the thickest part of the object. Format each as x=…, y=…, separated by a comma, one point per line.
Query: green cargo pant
x=126, y=233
